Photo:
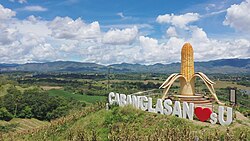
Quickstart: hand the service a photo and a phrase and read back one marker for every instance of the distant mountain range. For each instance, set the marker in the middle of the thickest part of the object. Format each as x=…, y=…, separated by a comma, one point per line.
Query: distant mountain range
x=224, y=66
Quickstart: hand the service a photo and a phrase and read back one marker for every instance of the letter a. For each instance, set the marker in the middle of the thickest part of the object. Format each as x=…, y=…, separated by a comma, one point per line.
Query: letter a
x=177, y=109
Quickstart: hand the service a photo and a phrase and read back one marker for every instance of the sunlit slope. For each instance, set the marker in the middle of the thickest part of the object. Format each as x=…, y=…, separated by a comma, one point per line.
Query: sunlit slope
x=22, y=125
x=130, y=124
x=5, y=87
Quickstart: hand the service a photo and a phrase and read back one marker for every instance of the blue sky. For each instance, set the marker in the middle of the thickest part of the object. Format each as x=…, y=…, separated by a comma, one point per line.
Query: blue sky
x=132, y=31
x=135, y=12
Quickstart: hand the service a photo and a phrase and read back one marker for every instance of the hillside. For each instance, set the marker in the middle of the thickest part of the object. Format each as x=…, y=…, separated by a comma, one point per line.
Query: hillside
x=217, y=66
x=60, y=66
x=225, y=66
x=128, y=123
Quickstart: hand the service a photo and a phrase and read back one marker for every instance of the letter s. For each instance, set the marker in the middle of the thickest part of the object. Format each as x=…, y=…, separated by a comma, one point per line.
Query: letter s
x=213, y=118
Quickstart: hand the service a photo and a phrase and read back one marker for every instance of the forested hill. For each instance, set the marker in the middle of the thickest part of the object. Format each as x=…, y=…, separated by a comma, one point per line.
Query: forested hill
x=224, y=66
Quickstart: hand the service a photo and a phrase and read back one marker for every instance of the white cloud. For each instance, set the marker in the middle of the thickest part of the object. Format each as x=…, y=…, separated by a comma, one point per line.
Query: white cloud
x=21, y=40
x=7, y=36
x=32, y=25
x=171, y=32
x=67, y=28
x=36, y=40
x=148, y=44
x=34, y=8
x=215, y=13
x=117, y=36
x=42, y=52
x=198, y=34
x=210, y=6
x=180, y=21
x=20, y=1
x=210, y=49
x=238, y=16
x=123, y=17
x=27, y=48
x=121, y=26
x=6, y=13
x=69, y=46
x=205, y=48
x=120, y=14
x=151, y=51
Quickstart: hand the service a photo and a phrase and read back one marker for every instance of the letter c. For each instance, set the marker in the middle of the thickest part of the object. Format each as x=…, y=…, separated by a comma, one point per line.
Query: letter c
x=111, y=101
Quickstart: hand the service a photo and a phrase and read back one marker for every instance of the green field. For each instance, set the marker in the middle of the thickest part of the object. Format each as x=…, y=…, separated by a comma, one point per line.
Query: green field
x=82, y=98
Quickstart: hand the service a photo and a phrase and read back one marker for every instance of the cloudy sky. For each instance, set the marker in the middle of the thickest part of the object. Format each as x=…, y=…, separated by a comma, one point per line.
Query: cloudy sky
x=116, y=31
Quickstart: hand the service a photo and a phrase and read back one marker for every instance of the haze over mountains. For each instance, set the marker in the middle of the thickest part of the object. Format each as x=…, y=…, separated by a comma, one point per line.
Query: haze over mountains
x=224, y=66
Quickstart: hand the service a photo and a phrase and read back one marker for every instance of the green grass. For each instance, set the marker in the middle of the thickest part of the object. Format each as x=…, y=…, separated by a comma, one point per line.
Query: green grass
x=82, y=98
x=5, y=87
x=20, y=124
x=128, y=122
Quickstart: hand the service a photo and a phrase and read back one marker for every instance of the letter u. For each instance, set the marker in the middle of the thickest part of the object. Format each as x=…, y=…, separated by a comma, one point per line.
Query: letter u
x=229, y=115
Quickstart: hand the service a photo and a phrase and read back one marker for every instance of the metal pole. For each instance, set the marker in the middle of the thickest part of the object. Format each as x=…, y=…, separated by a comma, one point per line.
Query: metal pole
x=108, y=78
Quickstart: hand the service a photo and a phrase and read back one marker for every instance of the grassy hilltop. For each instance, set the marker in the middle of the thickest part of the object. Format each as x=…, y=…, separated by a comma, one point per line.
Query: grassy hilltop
x=128, y=123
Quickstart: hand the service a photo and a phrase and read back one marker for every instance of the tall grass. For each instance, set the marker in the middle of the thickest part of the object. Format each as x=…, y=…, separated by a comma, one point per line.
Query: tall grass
x=94, y=123
x=45, y=132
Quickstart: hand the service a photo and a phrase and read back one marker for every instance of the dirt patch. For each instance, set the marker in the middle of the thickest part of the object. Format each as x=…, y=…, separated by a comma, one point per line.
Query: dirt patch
x=51, y=87
x=225, y=84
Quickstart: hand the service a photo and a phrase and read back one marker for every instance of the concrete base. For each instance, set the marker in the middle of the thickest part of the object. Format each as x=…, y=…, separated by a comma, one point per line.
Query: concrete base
x=196, y=99
x=187, y=88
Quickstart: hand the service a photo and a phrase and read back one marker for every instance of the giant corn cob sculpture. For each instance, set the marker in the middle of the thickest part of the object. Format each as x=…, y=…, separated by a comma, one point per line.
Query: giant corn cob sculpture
x=187, y=76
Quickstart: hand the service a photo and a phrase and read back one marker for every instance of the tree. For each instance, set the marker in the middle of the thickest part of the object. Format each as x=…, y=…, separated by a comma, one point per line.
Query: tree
x=5, y=114
x=26, y=113
x=58, y=112
x=11, y=100
x=34, y=103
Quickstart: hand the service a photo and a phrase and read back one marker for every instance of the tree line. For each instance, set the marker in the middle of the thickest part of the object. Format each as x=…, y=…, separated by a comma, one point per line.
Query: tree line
x=34, y=103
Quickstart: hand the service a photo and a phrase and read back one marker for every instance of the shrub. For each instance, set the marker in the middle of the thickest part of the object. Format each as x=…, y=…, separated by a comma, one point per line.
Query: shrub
x=5, y=114
x=26, y=112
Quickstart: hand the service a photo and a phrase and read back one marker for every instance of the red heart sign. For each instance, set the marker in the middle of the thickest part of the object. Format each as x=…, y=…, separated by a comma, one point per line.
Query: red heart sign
x=202, y=114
